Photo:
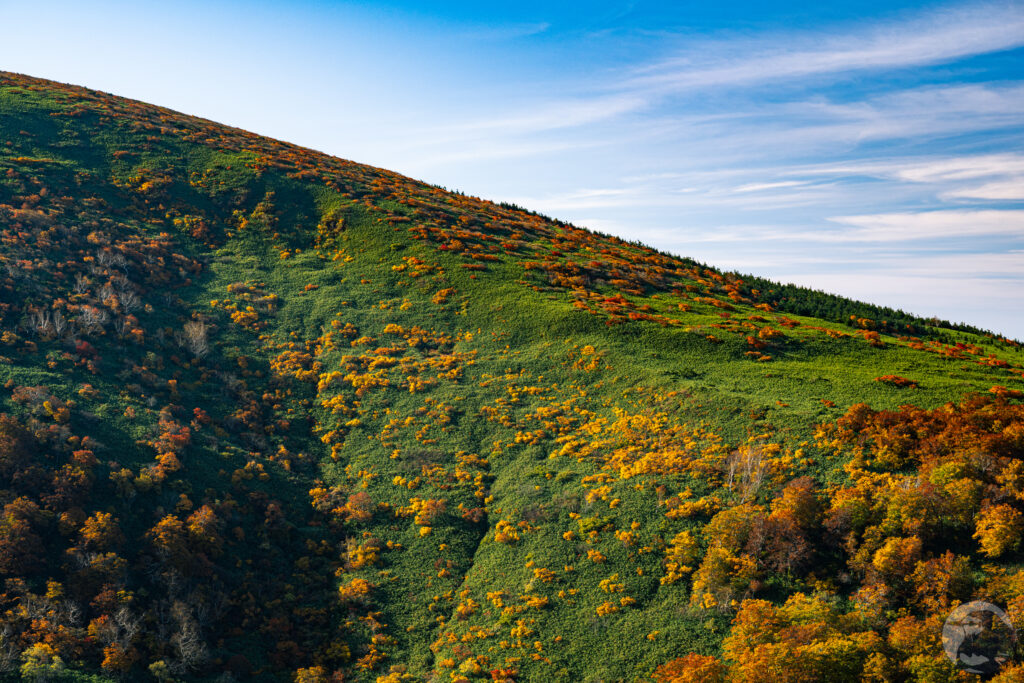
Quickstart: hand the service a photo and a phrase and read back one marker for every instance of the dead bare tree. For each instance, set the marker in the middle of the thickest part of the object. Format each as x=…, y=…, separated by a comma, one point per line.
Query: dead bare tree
x=187, y=640
x=59, y=323
x=92, y=318
x=9, y=650
x=81, y=284
x=40, y=323
x=129, y=625
x=121, y=326
x=129, y=300
x=746, y=469
x=104, y=257
x=194, y=338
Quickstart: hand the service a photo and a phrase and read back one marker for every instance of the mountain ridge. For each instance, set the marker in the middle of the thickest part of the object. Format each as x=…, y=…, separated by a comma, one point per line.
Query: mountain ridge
x=96, y=95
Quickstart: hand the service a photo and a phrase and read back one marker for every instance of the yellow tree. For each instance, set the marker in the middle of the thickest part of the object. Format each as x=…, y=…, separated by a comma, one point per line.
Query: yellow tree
x=999, y=529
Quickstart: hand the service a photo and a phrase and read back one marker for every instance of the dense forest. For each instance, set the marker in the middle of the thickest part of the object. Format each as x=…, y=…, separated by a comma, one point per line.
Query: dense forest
x=269, y=414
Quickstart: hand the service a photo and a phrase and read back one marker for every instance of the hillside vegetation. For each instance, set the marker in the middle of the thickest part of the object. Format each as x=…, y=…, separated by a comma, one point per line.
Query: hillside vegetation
x=273, y=415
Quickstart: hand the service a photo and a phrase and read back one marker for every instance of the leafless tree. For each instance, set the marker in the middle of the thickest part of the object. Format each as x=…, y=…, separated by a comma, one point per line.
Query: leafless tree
x=81, y=284
x=45, y=323
x=129, y=624
x=187, y=640
x=121, y=326
x=104, y=257
x=129, y=300
x=59, y=323
x=746, y=469
x=9, y=650
x=70, y=611
x=40, y=323
x=194, y=338
x=92, y=318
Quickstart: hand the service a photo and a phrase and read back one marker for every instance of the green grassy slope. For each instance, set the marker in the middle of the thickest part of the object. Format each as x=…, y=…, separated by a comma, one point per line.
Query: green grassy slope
x=426, y=436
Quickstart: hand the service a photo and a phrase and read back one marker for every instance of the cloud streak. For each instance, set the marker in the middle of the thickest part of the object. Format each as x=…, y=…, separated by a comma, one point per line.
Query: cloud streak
x=936, y=39
x=953, y=178
x=896, y=227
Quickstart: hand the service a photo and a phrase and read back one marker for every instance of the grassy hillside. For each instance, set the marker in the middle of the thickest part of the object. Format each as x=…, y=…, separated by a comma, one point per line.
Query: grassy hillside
x=274, y=415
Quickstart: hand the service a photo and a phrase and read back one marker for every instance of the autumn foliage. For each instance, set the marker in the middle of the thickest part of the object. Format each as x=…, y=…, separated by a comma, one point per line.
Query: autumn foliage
x=273, y=415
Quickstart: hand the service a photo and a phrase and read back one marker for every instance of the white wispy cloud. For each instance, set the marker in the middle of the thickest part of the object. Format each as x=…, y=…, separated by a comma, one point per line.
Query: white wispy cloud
x=760, y=187
x=552, y=115
x=592, y=198
x=984, y=265
x=1007, y=190
x=954, y=177
x=888, y=230
x=933, y=39
x=505, y=32
x=494, y=149
x=814, y=125
x=963, y=168
x=927, y=169
x=891, y=227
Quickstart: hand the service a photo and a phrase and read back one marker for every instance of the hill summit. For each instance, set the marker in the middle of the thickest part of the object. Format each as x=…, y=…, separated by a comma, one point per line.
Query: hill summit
x=274, y=415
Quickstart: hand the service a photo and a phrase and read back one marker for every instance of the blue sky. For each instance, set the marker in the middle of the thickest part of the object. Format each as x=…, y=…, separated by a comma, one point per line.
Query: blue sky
x=870, y=149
